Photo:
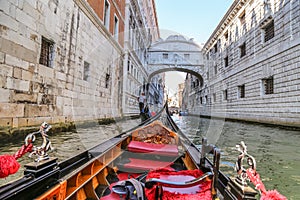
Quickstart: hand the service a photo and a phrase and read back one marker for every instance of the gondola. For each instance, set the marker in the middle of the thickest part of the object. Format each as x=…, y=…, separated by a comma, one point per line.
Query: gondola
x=154, y=160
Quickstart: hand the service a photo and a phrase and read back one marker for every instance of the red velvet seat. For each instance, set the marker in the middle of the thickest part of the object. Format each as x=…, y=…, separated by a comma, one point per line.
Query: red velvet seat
x=159, y=149
x=201, y=191
x=140, y=164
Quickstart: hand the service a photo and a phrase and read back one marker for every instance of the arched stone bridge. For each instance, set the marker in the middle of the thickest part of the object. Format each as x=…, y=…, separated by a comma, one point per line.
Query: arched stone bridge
x=175, y=54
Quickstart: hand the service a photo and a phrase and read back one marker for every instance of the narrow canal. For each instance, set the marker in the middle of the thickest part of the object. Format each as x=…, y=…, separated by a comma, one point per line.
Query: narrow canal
x=275, y=149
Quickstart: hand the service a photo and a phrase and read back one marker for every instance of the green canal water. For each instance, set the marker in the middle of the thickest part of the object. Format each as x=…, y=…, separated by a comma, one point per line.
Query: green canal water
x=275, y=149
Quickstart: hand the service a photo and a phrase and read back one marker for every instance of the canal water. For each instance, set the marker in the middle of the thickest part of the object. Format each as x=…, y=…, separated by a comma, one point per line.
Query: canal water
x=275, y=149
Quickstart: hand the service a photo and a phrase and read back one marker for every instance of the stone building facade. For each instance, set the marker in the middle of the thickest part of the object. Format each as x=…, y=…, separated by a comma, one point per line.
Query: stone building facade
x=73, y=60
x=252, y=67
x=59, y=61
x=141, y=29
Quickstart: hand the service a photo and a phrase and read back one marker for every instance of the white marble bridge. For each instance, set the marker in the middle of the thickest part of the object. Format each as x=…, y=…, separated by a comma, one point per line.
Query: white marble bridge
x=176, y=54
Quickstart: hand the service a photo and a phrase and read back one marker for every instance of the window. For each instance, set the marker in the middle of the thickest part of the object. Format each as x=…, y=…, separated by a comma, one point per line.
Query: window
x=226, y=61
x=226, y=36
x=243, y=50
x=268, y=85
x=86, y=71
x=225, y=95
x=116, y=28
x=241, y=91
x=186, y=56
x=268, y=31
x=216, y=69
x=216, y=48
x=47, y=52
x=242, y=18
x=206, y=99
x=165, y=56
x=201, y=100
x=192, y=84
x=214, y=97
x=107, y=77
x=106, y=14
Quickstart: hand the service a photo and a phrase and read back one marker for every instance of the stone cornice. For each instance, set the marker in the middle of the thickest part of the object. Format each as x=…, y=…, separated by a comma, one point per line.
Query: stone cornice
x=176, y=41
x=228, y=17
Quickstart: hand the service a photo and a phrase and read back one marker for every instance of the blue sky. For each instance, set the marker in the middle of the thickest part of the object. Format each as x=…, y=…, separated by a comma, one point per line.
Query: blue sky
x=192, y=18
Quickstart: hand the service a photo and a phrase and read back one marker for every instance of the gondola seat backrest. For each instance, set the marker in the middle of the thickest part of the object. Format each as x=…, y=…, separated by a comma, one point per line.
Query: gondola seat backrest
x=150, y=148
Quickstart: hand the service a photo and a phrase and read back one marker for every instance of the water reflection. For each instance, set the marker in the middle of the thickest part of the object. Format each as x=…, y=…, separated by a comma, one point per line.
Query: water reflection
x=67, y=144
x=276, y=150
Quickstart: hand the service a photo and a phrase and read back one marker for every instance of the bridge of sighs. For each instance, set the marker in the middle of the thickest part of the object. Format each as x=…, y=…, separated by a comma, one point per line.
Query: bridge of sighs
x=176, y=53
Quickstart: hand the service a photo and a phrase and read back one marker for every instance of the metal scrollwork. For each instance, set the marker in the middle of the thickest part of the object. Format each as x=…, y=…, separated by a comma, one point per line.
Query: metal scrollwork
x=241, y=171
x=41, y=151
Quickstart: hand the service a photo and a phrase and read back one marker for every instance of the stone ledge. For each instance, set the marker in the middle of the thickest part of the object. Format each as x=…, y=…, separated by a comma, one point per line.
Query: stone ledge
x=279, y=124
x=9, y=134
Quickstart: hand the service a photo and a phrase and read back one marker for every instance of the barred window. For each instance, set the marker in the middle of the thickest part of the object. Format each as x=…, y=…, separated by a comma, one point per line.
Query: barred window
x=243, y=49
x=241, y=91
x=47, y=52
x=268, y=85
x=269, y=31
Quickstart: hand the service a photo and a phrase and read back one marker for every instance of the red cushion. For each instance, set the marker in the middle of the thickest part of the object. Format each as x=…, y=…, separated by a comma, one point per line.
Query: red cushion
x=141, y=164
x=159, y=149
x=202, y=191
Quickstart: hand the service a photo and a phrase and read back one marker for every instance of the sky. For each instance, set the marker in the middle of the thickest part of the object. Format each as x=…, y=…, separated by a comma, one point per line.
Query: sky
x=191, y=18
